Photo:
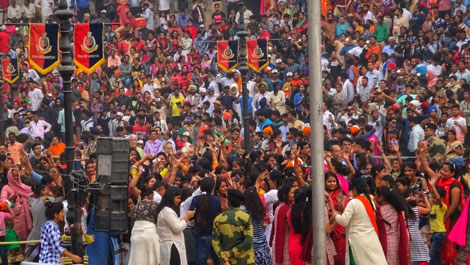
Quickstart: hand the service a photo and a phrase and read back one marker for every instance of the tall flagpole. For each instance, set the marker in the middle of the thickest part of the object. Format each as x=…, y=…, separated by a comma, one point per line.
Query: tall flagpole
x=66, y=70
x=316, y=135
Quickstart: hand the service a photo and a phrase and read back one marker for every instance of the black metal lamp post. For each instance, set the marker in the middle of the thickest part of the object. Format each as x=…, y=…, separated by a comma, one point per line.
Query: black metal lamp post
x=243, y=68
x=66, y=70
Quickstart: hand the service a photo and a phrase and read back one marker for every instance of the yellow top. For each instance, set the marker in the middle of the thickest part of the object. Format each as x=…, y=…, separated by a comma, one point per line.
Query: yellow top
x=437, y=222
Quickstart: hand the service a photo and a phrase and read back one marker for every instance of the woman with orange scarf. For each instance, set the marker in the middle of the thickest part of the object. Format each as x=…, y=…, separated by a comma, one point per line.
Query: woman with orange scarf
x=454, y=201
x=363, y=245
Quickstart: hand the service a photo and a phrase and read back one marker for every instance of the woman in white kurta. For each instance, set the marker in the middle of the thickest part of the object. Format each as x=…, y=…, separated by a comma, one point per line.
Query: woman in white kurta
x=145, y=246
x=361, y=235
x=170, y=228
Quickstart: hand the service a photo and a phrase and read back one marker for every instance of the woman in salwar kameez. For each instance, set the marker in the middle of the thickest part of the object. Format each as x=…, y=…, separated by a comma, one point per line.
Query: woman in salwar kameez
x=363, y=245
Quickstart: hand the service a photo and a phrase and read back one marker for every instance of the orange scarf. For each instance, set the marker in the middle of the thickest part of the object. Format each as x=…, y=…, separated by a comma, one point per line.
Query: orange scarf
x=369, y=210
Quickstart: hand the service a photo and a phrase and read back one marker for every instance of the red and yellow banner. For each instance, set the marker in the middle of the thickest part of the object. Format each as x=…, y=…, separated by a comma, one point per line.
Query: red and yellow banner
x=88, y=46
x=44, y=47
x=257, y=51
x=227, y=55
x=10, y=70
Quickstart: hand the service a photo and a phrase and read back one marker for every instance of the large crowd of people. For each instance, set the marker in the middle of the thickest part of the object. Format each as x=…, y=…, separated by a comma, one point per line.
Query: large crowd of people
x=396, y=116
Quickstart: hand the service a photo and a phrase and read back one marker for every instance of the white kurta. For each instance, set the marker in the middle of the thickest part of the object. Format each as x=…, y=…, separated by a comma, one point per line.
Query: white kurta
x=361, y=235
x=170, y=231
x=145, y=248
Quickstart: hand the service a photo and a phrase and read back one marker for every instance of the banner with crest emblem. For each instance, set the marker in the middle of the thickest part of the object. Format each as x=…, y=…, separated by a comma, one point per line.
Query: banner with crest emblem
x=227, y=55
x=88, y=46
x=257, y=51
x=10, y=70
x=44, y=47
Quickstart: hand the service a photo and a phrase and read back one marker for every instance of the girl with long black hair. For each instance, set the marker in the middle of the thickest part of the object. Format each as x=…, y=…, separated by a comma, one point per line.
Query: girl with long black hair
x=51, y=250
x=280, y=230
x=338, y=199
x=393, y=232
x=361, y=228
x=170, y=228
x=254, y=206
x=208, y=207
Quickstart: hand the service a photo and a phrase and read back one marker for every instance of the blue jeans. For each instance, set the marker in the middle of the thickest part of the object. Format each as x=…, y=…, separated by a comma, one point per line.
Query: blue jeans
x=302, y=4
x=437, y=240
x=203, y=247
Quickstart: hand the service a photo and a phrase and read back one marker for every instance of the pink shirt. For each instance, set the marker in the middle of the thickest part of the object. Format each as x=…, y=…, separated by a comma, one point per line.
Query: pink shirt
x=4, y=216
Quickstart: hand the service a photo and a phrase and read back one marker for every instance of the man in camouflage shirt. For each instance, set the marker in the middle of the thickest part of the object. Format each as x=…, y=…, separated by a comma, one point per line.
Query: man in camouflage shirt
x=232, y=235
x=436, y=146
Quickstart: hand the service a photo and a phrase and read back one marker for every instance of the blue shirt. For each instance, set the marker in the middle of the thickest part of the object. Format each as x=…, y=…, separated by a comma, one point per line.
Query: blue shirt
x=421, y=69
x=182, y=21
x=340, y=29
x=80, y=3
x=240, y=101
x=264, y=124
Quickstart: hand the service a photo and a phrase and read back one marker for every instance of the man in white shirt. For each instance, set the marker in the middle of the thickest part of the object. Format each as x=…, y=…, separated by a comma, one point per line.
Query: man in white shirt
x=211, y=98
x=416, y=134
x=357, y=51
x=246, y=16
x=35, y=96
x=28, y=9
x=363, y=88
x=348, y=87
x=457, y=123
x=328, y=118
x=435, y=68
x=262, y=94
x=148, y=15
x=14, y=11
x=37, y=127
x=29, y=73
x=373, y=75
x=149, y=86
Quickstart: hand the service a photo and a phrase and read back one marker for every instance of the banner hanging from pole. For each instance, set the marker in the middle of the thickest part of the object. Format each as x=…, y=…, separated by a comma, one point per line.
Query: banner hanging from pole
x=227, y=55
x=88, y=46
x=257, y=51
x=44, y=47
x=10, y=70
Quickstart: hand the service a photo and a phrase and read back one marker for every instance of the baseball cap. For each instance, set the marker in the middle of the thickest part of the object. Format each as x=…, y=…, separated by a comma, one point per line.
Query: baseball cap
x=278, y=60
x=103, y=11
x=289, y=74
x=275, y=71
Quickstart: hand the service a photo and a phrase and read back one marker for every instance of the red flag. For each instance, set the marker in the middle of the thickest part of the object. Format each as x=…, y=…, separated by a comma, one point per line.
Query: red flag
x=227, y=55
x=88, y=46
x=44, y=47
x=10, y=70
x=257, y=51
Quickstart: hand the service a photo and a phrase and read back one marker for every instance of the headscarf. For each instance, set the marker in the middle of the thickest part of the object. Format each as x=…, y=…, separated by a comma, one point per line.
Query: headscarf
x=24, y=190
x=17, y=186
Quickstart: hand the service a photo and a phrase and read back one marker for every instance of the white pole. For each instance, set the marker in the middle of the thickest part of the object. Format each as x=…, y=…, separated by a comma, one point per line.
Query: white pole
x=316, y=135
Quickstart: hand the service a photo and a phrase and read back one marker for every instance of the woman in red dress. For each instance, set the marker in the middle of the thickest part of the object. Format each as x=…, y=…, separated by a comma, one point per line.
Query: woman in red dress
x=454, y=201
x=339, y=199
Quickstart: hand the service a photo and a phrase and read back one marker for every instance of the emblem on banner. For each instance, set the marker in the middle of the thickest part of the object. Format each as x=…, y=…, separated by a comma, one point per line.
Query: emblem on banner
x=10, y=69
x=89, y=43
x=228, y=53
x=44, y=45
x=257, y=52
